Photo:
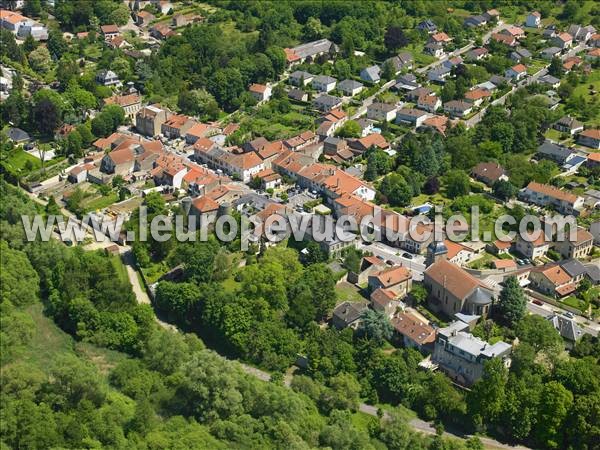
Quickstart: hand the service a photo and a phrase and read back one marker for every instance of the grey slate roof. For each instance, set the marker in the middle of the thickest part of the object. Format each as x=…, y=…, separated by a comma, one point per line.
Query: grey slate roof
x=549, y=79
x=313, y=48
x=349, y=85
x=569, y=122
x=593, y=272
x=348, y=312
x=370, y=73
x=299, y=74
x=566, y=326
x=327, y=100
x=324, y=79
x=480, y=296
x=554, y=151
x=18, y=135
x=573, y=267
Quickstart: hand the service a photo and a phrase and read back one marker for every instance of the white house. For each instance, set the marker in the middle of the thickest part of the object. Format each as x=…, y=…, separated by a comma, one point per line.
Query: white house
x=324, y=83
x=350, y=87
x=108, y=78
x=261, y=92
x=516, y=72
x=381, y=112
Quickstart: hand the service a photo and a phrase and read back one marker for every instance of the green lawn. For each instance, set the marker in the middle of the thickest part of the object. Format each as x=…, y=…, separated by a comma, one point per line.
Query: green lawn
x=483, y=262
x=583, y=89
x=347, y=292
x=535, y=65
x=93, y=51
x=49, y=342
x=96, y=203
x=20, y=158
x=117, y=263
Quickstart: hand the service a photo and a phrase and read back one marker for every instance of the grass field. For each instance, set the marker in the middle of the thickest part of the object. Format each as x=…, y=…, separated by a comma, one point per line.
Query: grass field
x=347, y=292
x=19, y=159
x=96, y=203
x=119, y=268
x=49, y=342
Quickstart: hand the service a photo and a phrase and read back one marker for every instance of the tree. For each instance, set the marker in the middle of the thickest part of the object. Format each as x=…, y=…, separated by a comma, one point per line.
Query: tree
x=396, y=189
x=504, y=190
x=47, y=117
x=512, y=304
x=388, y=71
x=343, y=393
x=431, y=186
x=20, y=284
x=32, y=8
x=86, y=135
x=74, y=144
x=394, y=39
x=101, y=125
x=376, y=325
x=555, y=404
x=539, y=333
x=30, y=44
x=419, y=293
x=57, y=45
x=200, y=103
x=457, y=183
x=448, y=91
x=556, y=67
x=227, y=85
x=485, y=401
x=15, y=109
x=119, y=15
x=378, y=163
x=351, y=129
x=178, y=300
x=352, y=260
x=40, y=60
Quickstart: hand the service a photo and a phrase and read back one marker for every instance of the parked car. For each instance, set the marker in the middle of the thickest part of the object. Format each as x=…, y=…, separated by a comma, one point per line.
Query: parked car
x=407, y=255
x=520, y=262
x=538, y=302
x=390, y=262
x=569, y=314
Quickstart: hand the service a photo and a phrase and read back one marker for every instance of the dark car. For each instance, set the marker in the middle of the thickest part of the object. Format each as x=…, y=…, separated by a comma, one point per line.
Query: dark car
x=538, y=302
x=407, y=255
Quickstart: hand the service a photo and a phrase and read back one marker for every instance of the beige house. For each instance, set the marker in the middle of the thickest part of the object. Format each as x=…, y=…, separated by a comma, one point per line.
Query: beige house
x=415, y=332
x=546, y=195
x=552, y=280
x=148, y=120
x=576, y=248
x=395, y=279
x=385, y=301
x=130, y=103
x=453, y=290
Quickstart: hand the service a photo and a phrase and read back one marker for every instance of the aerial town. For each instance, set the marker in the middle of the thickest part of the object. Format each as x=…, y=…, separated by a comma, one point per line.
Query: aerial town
x=307, y=111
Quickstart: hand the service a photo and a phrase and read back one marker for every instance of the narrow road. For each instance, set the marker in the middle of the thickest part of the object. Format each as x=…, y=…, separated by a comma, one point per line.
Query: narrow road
x=138, y=289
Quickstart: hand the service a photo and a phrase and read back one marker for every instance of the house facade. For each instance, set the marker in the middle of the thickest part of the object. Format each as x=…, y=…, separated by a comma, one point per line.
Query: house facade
x=462, y=356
